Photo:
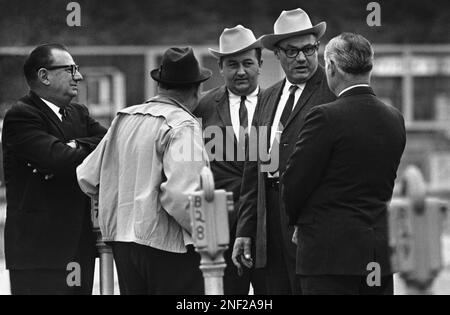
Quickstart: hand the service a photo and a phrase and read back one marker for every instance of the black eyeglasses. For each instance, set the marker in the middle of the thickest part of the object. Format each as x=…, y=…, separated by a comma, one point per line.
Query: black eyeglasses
x=73, y=68
x=308, y=50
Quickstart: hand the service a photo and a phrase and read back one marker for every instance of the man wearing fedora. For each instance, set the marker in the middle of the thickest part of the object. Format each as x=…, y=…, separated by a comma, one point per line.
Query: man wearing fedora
x=231, y=108
x=143, y=182
x=262, y=218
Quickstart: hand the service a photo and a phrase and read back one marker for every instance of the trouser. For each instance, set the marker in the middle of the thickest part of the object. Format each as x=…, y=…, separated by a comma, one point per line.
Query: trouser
x=143, y=270
x=344, y=285
x=280, y=268
x=240, y=285
x=77, y=280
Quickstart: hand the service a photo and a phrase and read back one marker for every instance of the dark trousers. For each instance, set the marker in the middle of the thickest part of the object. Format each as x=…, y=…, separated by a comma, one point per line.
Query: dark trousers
x=60, y=281
x=280, y=269
x=344, y=285
x=240, y=285
x=143, y=270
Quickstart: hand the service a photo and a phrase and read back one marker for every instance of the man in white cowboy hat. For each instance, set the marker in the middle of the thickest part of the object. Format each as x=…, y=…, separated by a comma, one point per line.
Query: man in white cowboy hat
x=262, y=218
x=231, y=107
x=143, y=183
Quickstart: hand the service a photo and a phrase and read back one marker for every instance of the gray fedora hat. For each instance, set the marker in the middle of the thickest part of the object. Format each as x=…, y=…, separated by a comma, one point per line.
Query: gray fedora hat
x=292, y=23
x=235, y=40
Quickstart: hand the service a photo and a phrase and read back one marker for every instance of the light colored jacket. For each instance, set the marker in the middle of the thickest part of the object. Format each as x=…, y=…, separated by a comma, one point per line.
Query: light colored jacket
x=143, y=170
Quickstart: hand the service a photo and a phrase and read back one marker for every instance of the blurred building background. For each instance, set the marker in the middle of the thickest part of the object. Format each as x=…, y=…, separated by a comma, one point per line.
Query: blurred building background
x=119, y=42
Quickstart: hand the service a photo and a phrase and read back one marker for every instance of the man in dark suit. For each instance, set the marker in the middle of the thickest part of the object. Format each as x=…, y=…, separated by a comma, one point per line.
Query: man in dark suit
x=49, y=245
x=279, y=118
x=340, y=178
x=229, y=109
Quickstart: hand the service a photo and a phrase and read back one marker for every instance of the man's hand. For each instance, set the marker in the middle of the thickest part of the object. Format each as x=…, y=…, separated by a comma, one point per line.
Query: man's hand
x=242, y=253
x=295, y=236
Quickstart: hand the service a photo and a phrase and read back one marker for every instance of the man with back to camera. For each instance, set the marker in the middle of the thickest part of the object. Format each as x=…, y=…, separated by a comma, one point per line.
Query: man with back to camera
x=262, y=219
x=340, y=178
x=48, y=230
x=143, y=182
x=230, y=108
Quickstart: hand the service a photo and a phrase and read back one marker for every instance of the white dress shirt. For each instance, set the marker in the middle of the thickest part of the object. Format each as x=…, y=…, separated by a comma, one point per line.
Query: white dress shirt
x=235, y=102
x=352, y=87
x=280, y=107
x=53, y=107
x=274, y=132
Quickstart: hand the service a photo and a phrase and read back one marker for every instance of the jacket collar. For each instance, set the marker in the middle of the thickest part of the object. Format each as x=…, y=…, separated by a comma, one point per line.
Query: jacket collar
x=169, y=100
x=358, y=91
x=34, y=100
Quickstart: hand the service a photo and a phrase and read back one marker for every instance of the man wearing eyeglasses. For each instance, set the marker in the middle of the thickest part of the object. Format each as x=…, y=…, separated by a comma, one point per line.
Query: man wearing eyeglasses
x=49, y=244
x=262, y=218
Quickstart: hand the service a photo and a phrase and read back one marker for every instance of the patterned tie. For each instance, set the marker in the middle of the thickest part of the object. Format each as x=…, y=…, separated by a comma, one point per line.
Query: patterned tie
x=63, y=112
x=288, y=107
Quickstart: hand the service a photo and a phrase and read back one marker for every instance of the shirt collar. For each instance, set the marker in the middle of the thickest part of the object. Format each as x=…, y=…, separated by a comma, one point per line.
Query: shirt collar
x=352, y=87
x=52, y=106
x=288, y=84
x=236, y=98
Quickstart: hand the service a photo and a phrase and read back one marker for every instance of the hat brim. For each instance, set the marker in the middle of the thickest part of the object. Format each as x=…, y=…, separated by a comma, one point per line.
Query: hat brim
x=218, y=54
x=205, y=74
x=269, y=41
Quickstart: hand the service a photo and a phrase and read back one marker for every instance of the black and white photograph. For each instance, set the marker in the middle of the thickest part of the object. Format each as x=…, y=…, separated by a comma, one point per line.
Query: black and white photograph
x=241, y=149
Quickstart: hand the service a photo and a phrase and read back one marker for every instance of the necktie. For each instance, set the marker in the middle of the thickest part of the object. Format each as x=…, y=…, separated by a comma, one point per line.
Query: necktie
x=243, y=116
x=283, y=120
x=63, y=112
x=243, y=122
x=288, y=107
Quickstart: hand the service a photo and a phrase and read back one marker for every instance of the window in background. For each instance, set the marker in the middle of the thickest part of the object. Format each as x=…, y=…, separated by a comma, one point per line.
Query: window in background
x=389, y=90
x=103, y=92
x=432, y=98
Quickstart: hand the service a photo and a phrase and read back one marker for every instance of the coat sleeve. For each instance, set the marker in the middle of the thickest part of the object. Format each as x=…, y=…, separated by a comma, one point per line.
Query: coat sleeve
x=95, y=132
x=183, y=159
x=89, y=172
x=247, y=214
x=307, y=163
x=25, y=133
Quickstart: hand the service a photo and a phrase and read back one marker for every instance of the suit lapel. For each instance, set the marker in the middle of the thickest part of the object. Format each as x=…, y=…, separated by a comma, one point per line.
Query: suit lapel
x=273, y=100
x=223, y=110
x=37, y=102
x=254, y=120
x=310, y=87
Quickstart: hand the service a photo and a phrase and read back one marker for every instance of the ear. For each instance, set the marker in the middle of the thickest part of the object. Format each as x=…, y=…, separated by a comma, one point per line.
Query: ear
x=42, y=76
x=276, y=53
x=332, y=67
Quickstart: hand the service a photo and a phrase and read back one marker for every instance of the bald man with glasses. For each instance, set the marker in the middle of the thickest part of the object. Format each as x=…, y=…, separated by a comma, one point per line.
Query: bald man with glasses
x=45, y=137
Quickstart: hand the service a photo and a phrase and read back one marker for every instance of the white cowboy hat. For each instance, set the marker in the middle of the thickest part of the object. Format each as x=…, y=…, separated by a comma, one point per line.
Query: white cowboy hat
x=292, y=23
x=235, y=40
